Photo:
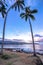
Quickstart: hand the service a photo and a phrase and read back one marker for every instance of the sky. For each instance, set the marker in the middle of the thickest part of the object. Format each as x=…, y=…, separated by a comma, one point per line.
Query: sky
x=17, y=28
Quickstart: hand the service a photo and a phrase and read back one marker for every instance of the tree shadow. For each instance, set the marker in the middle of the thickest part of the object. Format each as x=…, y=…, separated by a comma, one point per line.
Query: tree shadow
x=36, y=59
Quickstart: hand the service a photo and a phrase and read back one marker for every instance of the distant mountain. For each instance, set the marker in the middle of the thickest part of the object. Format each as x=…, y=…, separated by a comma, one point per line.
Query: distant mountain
x=18, y=40
x=14, y=41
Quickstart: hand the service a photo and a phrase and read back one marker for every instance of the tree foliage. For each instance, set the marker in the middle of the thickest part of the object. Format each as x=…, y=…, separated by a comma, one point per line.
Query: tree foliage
x=3, y=8
x=28, y=13
x=19, y=4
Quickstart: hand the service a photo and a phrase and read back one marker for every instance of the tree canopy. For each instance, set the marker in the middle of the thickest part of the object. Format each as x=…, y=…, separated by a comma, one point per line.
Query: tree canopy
x=3, y=8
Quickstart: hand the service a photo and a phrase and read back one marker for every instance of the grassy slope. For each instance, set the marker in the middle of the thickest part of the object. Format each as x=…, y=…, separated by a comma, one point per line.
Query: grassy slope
x=17, y=58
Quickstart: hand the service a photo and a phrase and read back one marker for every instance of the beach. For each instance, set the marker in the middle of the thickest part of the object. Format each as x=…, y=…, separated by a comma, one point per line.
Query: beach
x=20, y=58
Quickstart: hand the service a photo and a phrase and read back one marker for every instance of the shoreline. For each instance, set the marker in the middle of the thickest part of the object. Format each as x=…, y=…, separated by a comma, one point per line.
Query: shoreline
x=23, y=51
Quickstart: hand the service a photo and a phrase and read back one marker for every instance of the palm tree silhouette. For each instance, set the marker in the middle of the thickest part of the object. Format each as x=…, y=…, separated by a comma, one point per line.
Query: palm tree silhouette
x=27, y=14
x=18, y=4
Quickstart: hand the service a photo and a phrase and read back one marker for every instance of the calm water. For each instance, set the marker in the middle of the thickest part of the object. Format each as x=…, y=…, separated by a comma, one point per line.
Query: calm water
x=25, y=47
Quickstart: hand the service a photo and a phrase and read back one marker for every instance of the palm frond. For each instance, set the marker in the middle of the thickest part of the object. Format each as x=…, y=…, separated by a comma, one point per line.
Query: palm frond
x=32, y=17
x=23, y=2
x=2, y=14
x=18, y=8
x=21, y=6
x=2, y=8
x=22, y=15
x=18, y=4
x=34, y=11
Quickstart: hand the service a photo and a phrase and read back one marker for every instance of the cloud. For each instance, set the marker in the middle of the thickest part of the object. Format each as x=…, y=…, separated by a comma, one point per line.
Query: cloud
x=37, y=35
x=26, y=36
x=23, y=36
x=32, y=2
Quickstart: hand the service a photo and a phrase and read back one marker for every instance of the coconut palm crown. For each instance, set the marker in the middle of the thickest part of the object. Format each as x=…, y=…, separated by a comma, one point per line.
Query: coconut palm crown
x=18, y=4
x=28, y=13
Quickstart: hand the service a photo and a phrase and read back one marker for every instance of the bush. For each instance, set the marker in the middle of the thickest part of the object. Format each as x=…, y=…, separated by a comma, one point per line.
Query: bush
x=5, y=56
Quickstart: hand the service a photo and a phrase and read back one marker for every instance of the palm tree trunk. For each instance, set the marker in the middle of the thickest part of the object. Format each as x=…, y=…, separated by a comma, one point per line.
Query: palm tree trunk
x=4, y=28
x=32, y=37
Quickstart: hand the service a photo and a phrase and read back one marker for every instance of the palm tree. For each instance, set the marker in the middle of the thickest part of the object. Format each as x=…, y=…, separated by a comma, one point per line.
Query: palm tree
x=18, y=4
x=27, y=15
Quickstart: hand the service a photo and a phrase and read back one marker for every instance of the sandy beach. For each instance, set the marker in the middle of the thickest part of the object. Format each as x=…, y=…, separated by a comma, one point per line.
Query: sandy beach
x=18, y=58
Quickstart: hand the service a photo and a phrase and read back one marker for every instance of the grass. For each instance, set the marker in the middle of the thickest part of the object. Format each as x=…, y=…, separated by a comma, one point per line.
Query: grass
x=9, y=63
x=6, y=56
x=15, y=58
x=14, y=55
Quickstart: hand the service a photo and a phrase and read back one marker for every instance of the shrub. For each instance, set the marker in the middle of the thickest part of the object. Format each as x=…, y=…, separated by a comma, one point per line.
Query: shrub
x=5, y=56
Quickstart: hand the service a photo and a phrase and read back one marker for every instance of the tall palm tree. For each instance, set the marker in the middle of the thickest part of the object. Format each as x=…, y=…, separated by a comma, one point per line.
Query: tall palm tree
x=18, y=4
x=27, y=14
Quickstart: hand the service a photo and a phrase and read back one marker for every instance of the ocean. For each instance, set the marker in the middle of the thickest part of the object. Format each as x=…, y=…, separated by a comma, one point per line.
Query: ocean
x=25, y=47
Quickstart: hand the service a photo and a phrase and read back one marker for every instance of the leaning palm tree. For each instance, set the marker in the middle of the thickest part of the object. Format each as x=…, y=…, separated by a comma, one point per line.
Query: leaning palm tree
x=27, y=14
x=2, y=9
x=18, y=4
